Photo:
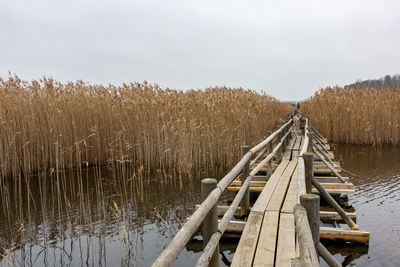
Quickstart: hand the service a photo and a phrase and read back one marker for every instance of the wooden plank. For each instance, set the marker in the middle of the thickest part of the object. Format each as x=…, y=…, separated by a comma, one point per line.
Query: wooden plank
x=324, y=169
x=321, y=163
x=252, y=189
x=333, y=216
x=337, y=185
x=330, y=191
x=341, y=234
x=248, y=242
x=286, y=249
x=276, y=202
x=291, y=196
x=297, y=145
x=266, y=193
x=252, y=183
x=265, y=253
x=314, y=190
x=330, y=179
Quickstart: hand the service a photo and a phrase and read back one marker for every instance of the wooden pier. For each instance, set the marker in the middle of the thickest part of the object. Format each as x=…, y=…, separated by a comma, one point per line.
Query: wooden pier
x=297, y=186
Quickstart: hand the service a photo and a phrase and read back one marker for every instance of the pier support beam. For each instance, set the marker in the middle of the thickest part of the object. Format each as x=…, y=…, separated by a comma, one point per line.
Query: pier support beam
x=210, y=223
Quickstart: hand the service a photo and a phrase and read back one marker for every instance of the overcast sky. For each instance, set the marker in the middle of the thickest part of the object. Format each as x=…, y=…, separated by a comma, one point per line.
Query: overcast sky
x=289, y=49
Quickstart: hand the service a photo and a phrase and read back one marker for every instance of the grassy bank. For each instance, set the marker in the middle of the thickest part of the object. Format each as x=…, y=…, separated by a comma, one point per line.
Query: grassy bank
x=46, y=125
x=356, y=116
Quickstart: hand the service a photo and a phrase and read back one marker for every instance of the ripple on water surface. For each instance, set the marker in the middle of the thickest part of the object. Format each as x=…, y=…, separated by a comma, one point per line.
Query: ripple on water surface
x=376, y=176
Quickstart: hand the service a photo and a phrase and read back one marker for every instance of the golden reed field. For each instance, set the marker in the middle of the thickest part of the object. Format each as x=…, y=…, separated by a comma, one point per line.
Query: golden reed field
x=356, y=116
x=46, y=125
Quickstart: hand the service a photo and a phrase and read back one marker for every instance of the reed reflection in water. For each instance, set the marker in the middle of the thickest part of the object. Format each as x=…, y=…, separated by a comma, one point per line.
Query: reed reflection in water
x=93, y=216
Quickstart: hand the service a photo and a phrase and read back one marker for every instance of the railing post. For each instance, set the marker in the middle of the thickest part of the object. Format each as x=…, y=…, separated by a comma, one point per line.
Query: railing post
x=269, y=150
x=245, y=203
x=278, y=156
x=210, y=223
x=311, y=203
x=310, y=140
x=309, y=170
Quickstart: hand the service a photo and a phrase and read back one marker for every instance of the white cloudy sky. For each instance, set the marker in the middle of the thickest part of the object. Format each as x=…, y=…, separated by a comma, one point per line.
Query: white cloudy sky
x=287, y=48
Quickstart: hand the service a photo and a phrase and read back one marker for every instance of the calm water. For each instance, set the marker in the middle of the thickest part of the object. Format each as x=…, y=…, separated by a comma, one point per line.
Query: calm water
x=376, y=176
x=130, y=223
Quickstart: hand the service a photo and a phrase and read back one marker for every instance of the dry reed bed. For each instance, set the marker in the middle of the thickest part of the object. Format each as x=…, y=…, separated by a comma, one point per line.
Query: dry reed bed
x=356, y=116
x=46, y=125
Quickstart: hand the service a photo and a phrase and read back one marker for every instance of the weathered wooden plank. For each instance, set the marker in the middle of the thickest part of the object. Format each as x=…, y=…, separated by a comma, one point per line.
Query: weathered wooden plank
x=333, y=216
x=337, y=185
x=265, y=252
x=266, y=193
x=324, y=169
x=291, y=195
x=330, y=191
x=252, y=183
x=276, y=202
x=330, y=179
x=357, y=236
x=321, y=163
x=286, y=249
x=248, y=242
x=325, y=216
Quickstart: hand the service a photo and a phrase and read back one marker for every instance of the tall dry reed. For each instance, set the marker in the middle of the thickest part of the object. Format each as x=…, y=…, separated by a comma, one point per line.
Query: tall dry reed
x=356, y=116
x=47, y=125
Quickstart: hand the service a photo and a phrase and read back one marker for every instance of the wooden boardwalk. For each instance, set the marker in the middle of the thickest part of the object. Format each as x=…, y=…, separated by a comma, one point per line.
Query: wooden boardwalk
x=285, y=223
x=268, y=238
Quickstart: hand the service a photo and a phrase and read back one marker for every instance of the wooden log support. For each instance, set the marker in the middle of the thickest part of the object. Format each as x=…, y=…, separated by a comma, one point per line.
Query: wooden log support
x=327, y=256
x=210, y=223
x=341, y=234
x=334, y=205
x=309, y=170
x=311, y=203
x=245, y=203
x=308, y=255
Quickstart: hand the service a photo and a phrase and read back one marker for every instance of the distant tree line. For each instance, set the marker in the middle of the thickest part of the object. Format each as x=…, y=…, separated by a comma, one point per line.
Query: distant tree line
x=387, y=81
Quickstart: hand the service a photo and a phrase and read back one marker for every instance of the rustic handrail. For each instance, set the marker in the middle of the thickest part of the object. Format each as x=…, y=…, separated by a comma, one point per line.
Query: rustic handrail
x=213, y=242
x=308, y=254
x=331, y=167
x=169, y=254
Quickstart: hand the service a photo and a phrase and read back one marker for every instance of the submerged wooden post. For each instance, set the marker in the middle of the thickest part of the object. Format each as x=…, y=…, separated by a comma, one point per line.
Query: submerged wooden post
x=245, y=203
x=269, y=150
x=311, y=203
x=309, y=170
x=210, y=223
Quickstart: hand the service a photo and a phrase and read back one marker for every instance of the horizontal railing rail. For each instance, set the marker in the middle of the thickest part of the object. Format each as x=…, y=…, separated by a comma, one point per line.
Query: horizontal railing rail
x=190, y=228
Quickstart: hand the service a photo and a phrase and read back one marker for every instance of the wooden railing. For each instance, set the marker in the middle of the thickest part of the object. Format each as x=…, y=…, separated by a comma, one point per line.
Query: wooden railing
x=205, y=216
x=306, y=211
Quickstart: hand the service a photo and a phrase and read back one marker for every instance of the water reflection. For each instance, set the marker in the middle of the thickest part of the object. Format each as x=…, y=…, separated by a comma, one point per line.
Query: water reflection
x=117, y=216
x=93, y=216
x=375, y=173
